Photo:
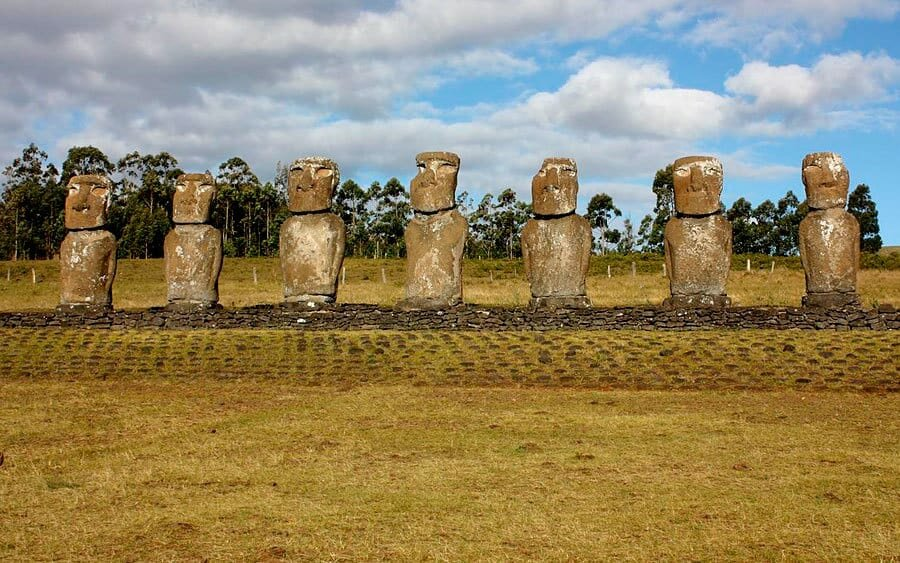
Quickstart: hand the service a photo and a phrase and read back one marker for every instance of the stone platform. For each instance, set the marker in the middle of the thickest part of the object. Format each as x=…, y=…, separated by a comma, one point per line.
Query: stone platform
x=465, y=317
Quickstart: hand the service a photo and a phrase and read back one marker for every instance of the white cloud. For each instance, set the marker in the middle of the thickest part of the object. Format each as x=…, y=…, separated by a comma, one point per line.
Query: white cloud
x=626, y=97
x=769, y=25
x=791, y=98
x=207, y=80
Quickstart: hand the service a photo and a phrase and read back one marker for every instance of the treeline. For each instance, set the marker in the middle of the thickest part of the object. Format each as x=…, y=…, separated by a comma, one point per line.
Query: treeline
x=250, y=212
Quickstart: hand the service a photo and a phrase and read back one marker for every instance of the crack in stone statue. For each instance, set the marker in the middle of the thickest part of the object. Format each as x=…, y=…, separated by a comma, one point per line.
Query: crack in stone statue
x=556, y=243
x=193, y=249
x=313, y=238
x=436, y=235
x=698, y=239
x=88, y=253
x=829, y=235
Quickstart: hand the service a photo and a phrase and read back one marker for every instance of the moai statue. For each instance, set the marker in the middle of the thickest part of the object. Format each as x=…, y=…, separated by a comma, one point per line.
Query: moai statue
x=556, y=243
x=313, y=238
x=829, y=235
x=88, y=253
x=698, y=238
x=436, y=235
x=193, y=249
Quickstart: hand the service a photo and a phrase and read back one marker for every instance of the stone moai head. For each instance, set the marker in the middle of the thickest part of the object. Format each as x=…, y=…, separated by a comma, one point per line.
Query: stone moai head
x=434, y=187
x=87, y=202
x=698, y=185
x=826, y=179
x=554, y=189
x=194, y=194
x=311, y=184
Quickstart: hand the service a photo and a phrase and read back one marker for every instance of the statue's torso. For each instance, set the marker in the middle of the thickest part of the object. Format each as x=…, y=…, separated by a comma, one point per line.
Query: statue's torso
x=434, y=250
x=87, y=268
x=829, y=249
x=312, y=251
x=193, y=257
x=698, y=254
x=557, y=255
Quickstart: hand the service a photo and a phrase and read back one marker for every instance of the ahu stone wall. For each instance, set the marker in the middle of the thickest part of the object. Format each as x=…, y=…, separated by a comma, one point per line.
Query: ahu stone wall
x=464, y=317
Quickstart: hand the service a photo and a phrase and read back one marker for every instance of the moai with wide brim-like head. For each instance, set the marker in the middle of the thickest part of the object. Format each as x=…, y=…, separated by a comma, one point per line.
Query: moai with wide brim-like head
x=556, y=243
x=829, y=235
x=88, y=253
x=193, y=249
x=436, y=235
x=698, y=239
x=312, y=240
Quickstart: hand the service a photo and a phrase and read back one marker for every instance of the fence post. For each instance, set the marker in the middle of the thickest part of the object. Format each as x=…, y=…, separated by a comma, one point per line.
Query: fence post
x=33, y=277
x=748, y=264
x=383, y=276
x=633, y=270
x=608, y=271
x=255, y=279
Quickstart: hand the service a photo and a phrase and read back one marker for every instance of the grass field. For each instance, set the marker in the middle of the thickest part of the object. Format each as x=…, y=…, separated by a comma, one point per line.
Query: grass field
x=381, y=445
x=268, y=445
x=141, y=283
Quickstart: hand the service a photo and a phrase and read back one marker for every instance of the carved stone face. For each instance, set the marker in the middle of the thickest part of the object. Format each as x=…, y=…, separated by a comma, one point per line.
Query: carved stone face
x=554, y=189
x=87, y=202
x=194, y=194
x=698, y=185
x=826, y=179
x=434, y=187
x=311, y=184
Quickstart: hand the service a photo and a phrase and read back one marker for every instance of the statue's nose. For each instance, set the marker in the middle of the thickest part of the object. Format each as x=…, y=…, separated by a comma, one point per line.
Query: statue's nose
x=552, y=184
x=81, y=201
x=307, y=178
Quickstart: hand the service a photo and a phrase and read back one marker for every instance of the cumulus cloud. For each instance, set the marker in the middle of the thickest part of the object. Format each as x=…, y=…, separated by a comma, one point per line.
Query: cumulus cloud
x=627, y=97
x=768, y=25
x=207, y=80
x=806, y=97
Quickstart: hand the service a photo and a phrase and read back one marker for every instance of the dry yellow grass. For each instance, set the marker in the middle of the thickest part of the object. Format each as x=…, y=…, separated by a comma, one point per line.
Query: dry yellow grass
x=141, y=284
x=152, y=469
x=375, y=445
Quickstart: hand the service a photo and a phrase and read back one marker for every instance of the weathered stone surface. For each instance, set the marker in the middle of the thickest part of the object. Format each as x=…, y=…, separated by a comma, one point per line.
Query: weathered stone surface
x=311, y=184
x=434, y=187
x=312, y=252
x=554, y=189
x=434, y=250
x=695, y=301
x=557, y=254
x=698, y=257
x=698, y=185
x=288, y=316
x=829, y=250
x=826, y=179
x=87, y=269
x=87, y=202
x=831, y=300
x=193, y=258
x=194, y=194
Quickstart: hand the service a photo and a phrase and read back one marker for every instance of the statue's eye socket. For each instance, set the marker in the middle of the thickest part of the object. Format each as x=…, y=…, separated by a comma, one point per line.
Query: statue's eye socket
x=323, y=172
x=421, y=166
x=99, y=191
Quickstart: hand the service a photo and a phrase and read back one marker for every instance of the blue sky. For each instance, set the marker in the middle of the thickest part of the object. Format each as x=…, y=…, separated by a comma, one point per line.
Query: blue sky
x=623, y=87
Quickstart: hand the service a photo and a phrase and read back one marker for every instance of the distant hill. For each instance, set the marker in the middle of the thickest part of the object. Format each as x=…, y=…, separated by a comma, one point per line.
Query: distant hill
x=888, y=250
